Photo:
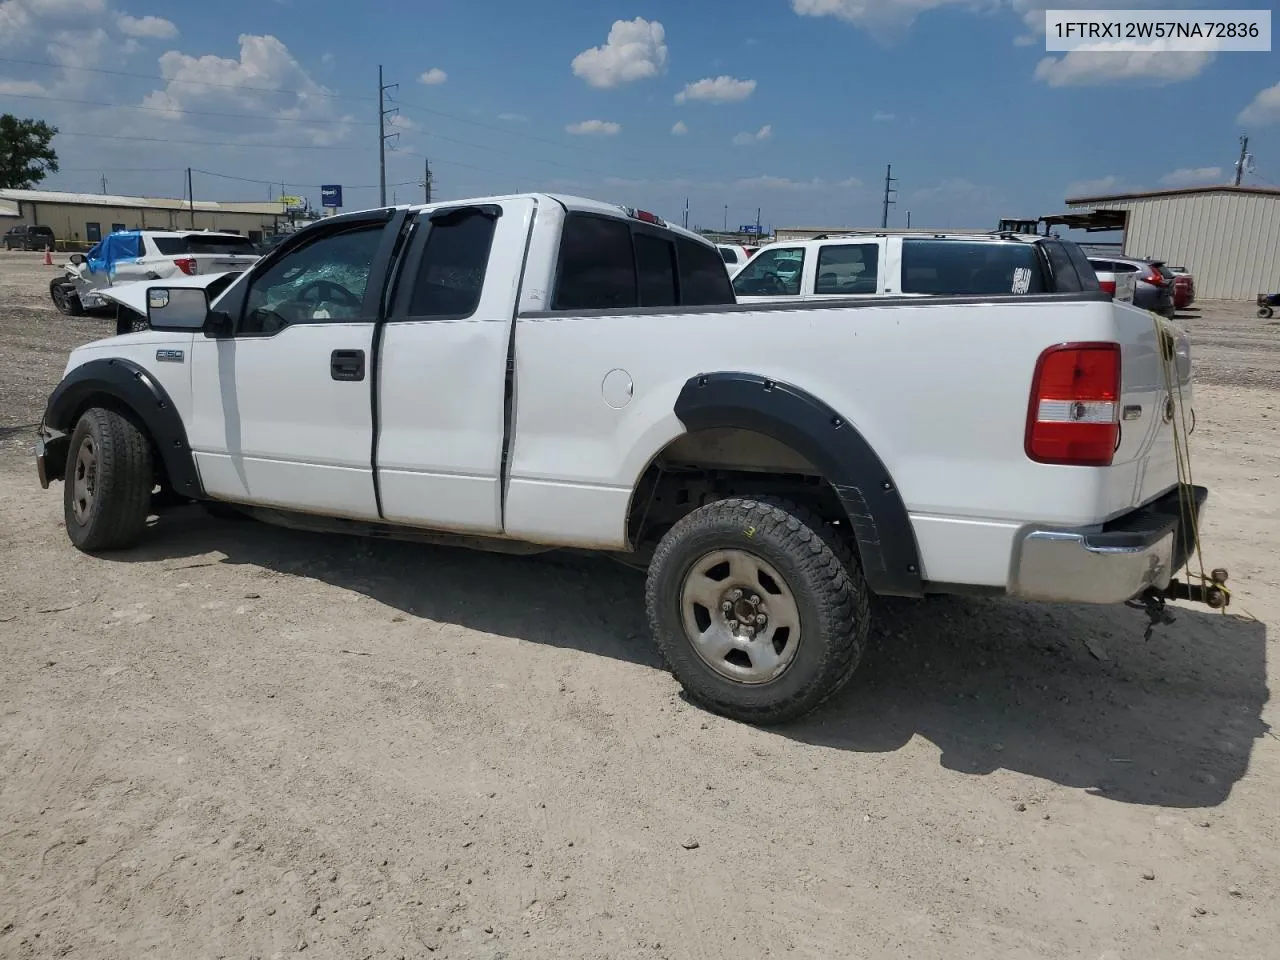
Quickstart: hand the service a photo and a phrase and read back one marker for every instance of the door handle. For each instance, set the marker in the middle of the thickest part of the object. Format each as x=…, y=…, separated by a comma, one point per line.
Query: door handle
x=346, y=365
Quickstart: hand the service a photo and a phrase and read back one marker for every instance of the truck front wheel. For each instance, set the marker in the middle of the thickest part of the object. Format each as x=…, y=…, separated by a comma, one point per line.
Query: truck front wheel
x=108, y=482
x=65, y=298
x=760, y=613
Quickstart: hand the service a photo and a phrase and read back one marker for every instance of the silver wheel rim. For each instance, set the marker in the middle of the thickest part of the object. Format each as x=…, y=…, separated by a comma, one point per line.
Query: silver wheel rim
x=740, y=616
x=84, y=482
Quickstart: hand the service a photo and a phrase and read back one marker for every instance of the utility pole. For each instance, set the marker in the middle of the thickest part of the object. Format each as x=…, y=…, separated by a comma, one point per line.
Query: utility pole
x=191, y=200
x=726, y=218
x=426, y=180
x=1244, y=156
x=104, y=184
x=757, y=223
x=908, y=219
x=686, y=213
x=383, y=113
x=888, y=189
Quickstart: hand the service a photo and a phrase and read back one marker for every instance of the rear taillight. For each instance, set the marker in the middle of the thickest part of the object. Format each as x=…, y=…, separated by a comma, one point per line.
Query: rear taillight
x=1074, y=414
x=186, y=264
x=1108, y=286
x=1154, y=277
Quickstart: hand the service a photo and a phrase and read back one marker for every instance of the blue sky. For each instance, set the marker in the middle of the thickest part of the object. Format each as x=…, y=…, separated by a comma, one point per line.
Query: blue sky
x=793, y=106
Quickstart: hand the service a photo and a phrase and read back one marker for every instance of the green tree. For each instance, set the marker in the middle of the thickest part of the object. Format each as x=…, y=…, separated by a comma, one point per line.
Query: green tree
x=25, y=155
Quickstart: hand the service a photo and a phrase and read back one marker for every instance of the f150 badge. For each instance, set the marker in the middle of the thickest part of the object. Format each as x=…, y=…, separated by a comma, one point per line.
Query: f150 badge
x=170, y=356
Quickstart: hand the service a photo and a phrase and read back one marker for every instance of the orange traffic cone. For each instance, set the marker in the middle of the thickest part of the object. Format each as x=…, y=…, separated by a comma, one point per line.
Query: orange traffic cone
x=48, y=257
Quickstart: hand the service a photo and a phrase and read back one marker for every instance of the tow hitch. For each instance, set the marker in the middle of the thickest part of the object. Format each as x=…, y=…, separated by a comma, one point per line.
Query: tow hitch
x=1212, y=592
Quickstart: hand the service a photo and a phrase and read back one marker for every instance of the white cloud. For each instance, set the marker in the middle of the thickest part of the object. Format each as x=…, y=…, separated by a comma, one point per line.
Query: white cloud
x=1100, y=187
x=789, y=185
x=595, y=128
x=635, y=50
x=19, y=88
x=264, y=79
x=680, y=128
x=717, y=90
x=513, y=118
x=881, y=117
x=327, y=59
x=1093, y=68
x=1264, y=110
x=433, y=77
x=1192, y=177
x=153, y=28
x=400, y=122
x=761, y=135
x=883, y=19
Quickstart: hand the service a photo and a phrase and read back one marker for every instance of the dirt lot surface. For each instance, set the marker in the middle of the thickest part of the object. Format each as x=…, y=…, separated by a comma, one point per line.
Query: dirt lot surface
x=237, y=741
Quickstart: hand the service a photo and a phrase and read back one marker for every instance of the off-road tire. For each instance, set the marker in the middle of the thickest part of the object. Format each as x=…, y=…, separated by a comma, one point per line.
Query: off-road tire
x=1265, y=312
x=69, y=304
x=821, y=572
x=115, y=515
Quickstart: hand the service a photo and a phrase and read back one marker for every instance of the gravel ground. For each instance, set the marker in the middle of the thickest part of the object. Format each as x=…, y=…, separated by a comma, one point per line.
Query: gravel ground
x=239, y=741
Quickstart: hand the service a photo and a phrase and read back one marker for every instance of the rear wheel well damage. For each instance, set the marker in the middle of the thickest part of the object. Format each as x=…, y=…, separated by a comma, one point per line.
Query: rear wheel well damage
x=749, y=435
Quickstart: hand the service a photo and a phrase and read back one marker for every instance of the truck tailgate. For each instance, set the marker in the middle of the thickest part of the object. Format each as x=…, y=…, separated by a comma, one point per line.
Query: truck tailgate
x=1156, y=397
x=223, y=263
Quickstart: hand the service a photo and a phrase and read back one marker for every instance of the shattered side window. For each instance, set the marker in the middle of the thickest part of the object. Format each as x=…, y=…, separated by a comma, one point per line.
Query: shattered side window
x=323, y=281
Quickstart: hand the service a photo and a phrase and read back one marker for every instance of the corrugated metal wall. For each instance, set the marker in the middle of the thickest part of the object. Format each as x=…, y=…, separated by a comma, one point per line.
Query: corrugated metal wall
x=1229, y=241
x=69, y=221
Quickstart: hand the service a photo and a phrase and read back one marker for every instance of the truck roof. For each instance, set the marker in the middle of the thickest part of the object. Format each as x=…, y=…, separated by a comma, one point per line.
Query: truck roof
x=571, y=203
x=996, y=237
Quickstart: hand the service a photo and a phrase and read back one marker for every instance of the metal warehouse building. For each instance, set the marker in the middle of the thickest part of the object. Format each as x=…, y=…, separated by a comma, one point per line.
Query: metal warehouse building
x=1228, y=237
x=79, y=219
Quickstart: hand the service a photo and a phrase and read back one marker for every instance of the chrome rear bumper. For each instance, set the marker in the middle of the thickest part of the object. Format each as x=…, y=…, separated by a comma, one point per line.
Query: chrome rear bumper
x=1111, y=564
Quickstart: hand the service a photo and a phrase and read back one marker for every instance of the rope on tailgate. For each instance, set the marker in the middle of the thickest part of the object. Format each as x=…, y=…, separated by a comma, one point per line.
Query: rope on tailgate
x=1189, y=525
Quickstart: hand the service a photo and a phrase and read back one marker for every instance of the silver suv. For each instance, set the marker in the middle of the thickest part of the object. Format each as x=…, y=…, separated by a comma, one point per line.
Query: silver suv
x=1153, y=289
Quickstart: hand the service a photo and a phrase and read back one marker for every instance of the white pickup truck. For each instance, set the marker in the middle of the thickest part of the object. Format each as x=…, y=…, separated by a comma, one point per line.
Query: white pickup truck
x=915, y=265
x=530, y=372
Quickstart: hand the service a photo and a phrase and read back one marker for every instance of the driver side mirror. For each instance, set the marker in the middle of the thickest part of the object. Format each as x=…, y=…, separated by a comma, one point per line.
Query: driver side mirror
x=77, y=258
x=177, y=308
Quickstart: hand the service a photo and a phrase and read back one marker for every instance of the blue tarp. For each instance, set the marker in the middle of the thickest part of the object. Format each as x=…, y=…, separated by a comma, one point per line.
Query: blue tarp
x=123, y=247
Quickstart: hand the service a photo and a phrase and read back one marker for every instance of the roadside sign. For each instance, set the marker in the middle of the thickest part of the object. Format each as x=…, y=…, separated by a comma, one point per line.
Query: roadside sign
x=291, y=201
x=749, y=228
x=331, y=195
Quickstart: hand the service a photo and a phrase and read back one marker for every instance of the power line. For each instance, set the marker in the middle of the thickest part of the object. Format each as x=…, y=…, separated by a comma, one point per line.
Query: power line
x=198, y=83
x=194, y=113
x=202, y=143
x=506, y=131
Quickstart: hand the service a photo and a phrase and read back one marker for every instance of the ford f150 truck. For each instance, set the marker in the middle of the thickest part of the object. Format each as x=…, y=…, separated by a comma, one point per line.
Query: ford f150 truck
x=530, y=372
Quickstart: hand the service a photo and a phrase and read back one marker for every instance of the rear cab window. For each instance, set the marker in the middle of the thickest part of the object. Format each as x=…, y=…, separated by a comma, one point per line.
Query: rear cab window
x=609, y=263
x=848, y=268
x=942, y=267
x=196, y=243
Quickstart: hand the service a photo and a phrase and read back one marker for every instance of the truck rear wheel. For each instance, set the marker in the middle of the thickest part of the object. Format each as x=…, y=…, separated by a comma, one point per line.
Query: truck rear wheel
x=108, y=482
x=759, y=612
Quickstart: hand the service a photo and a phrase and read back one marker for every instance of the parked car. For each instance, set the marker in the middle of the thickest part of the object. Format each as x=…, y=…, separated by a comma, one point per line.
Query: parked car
x=1154, y=290
x=145, y=255
x=498, y=374
x=734, y=255
x=1121, y=286
x=1184, y=287
x=910, y=265
x=29, y=237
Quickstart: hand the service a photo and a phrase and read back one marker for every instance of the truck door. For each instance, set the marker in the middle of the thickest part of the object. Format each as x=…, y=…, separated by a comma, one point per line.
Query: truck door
x=282, y=411
x=442, y=367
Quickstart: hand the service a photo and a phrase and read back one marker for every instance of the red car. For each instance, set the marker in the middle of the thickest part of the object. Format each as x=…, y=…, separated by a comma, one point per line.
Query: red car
x=1184, y=288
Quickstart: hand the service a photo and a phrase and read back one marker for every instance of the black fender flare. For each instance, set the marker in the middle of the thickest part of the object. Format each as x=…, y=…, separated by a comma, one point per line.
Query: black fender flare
x=877, y=514
x=130, y=386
